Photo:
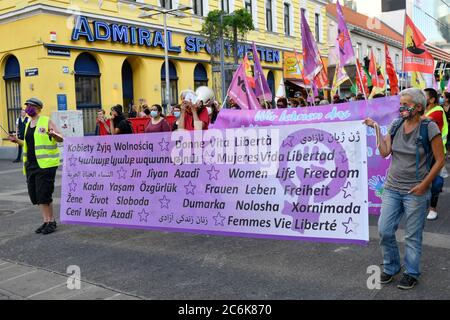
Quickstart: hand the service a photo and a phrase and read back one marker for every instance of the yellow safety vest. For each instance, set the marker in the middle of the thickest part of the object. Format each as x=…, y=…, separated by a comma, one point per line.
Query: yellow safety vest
x=46, y=149
x=444, y=127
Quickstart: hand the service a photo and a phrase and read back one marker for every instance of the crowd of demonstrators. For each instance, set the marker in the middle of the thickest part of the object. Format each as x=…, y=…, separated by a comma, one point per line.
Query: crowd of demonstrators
x=40, y=161
x=411, y=140
x=436, y=113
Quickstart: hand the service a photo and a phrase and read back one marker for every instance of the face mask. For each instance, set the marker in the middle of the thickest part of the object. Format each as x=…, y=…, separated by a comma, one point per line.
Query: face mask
x=177, y=114
x=154, y=114
x=209, y=110
x=31, y=111
x=441, y=100
x=406, y=112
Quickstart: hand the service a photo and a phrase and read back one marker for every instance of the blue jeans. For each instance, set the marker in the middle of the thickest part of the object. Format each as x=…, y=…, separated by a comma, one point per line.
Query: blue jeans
x=394, y=205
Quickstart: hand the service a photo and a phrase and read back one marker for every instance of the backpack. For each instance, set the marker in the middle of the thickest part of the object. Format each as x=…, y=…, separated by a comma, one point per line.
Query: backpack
x=422, y=140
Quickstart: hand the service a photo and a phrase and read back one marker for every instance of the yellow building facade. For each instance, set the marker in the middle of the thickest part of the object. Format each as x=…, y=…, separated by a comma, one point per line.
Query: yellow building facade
x=91, y=54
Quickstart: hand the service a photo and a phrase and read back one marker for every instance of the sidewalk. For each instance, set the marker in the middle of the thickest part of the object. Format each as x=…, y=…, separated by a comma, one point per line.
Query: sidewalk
x=135, y=264
x=19, y=282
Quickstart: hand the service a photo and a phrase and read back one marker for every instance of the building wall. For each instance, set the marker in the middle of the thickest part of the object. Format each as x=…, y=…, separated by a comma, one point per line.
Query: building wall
x=25, y=28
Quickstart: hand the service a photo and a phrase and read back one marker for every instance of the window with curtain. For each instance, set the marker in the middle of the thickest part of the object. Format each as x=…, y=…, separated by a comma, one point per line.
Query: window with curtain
x=198, y=7
x=248, y=6
x=269, y=21
x=166, y=4
x=359, y=51
x=12, y=86
x=317, y=26
x=287, y=19
x=226, y=6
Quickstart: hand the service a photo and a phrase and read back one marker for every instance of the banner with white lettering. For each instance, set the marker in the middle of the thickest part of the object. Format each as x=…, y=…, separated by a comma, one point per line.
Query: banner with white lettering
x=298, y=182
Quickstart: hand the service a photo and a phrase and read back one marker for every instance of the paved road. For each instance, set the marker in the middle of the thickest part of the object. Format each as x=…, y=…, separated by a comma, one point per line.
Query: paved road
x=137, y=264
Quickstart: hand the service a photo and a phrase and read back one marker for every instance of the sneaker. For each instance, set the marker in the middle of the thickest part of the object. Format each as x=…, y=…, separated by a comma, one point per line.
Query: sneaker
x=432, y=215
x=16, y=161
x=407, y=282
x=39, y=230
x=50, y=228
x=387, y=278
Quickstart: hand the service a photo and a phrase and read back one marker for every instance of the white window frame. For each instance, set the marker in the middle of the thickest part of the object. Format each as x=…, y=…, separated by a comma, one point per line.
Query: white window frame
x=292, y=30
x=204, y=8
x=254, y=12
x=230, y=3
x=274, y=16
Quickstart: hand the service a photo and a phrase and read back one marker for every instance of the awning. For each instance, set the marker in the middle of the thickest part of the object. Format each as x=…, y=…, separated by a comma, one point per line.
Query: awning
x=298, y=83
x=438, y=53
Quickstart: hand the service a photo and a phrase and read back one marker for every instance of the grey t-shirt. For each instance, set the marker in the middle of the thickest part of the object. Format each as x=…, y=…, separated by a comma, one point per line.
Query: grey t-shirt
x=402, y=171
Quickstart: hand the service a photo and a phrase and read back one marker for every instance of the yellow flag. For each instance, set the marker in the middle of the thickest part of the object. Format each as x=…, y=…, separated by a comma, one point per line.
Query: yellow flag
x=417, y=80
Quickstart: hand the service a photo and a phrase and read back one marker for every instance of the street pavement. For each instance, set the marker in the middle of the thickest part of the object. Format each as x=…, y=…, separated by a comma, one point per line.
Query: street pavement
x=138, y=264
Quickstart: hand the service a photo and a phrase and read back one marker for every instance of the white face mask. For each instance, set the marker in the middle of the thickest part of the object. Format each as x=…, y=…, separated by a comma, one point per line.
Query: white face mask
x=209, y=110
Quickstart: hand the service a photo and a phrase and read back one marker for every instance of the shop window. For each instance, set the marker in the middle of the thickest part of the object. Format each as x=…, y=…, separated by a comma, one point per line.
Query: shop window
x=173, y=84
x=12, y=83
x=200, y=76
x=87, y=90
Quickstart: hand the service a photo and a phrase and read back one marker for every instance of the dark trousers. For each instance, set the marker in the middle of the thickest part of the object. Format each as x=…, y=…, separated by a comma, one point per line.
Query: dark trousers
x=19, y=153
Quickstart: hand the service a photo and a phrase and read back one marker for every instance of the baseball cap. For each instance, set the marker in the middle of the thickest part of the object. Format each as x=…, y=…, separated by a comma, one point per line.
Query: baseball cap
x=35, y=102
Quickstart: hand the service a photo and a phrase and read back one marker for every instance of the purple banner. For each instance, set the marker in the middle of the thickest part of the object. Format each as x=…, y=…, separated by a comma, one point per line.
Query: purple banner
x=282, y=182
x=382, y=110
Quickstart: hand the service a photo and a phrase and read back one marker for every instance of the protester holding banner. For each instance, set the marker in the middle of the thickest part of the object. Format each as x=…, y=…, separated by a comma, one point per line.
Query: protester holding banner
x=436, y=113
x=118, y=123
x=410, y=141
x=41, y=160
x=157, y=122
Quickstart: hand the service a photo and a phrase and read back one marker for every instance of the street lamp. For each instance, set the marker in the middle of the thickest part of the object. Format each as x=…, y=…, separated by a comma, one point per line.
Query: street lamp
x=175, y=12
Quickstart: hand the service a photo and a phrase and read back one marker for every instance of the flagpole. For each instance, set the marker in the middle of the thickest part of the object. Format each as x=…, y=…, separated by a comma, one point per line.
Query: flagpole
x=403, y=52
x=360, y=79
x=302, y=75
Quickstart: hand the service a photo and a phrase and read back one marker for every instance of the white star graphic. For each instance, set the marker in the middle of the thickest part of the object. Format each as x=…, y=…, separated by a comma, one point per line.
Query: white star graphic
x=219, y=220
x=122, y=172
x=73, y=160
x=164, y=202
x=190, y=188
x=143, y=215
x=350, y=226
x=72, y=186
x=164, y=145
x=213, y=172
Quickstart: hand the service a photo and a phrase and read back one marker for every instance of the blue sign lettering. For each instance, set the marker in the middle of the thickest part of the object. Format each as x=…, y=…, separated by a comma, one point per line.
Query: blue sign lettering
x=120, y=33
x=143, y=37
x=98, y=27
x=82, y=29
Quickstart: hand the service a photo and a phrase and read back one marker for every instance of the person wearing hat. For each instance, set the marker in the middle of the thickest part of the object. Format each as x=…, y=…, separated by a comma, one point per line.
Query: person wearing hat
x=40, y=161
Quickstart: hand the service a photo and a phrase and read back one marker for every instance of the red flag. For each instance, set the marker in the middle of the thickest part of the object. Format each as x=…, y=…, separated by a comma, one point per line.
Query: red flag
x=321, y=79
x=390, y=70
x=362, y=83
x=417, y=58
x=373, y=70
